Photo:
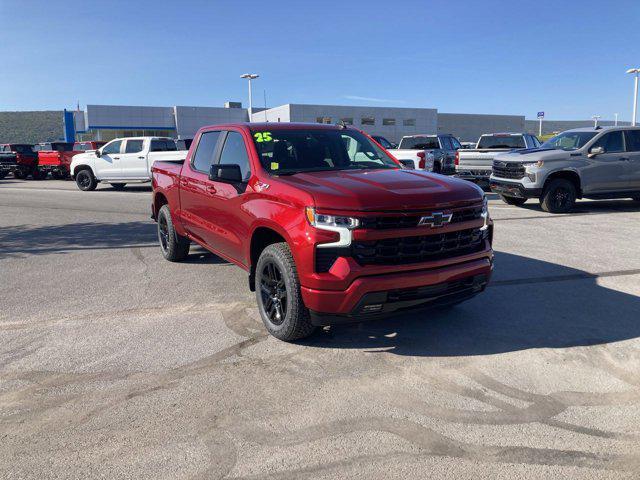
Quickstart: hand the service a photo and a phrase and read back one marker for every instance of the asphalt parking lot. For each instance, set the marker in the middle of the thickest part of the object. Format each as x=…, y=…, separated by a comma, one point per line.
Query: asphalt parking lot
x=117, y=364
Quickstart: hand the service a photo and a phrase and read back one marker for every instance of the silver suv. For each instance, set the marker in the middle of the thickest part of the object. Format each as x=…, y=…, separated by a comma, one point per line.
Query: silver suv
x=601, y=162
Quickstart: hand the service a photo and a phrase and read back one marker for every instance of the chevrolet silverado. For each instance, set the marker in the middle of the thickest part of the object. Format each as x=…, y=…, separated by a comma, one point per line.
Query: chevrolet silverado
x=328, y=226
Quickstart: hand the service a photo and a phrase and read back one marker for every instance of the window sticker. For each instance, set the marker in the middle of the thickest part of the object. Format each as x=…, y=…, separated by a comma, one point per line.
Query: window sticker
x=263, y=137
x=275, y=165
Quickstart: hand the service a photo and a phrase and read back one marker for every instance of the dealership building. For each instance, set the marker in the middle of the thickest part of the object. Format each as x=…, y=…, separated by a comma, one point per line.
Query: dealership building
x=106, y=122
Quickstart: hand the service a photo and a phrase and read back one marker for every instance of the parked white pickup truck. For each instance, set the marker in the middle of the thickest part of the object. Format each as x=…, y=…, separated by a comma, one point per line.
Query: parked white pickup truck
x=122, y=161
x=434, y=153
x=475, y=164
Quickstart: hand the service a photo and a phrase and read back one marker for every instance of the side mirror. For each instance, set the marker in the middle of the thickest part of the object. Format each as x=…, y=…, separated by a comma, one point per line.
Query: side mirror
x=596, y=151
x=229, y=173
x=98, y=153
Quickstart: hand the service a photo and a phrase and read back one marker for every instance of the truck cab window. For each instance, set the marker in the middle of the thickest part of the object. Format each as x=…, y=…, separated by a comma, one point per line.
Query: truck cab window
x=111, y=148
x=134, y=146
x=235, y=152
x=203, y=157
x=611, y=142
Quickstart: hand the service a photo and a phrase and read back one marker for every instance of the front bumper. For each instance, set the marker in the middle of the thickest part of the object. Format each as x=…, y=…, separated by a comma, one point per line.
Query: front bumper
x=514, y=189
x=380, y=295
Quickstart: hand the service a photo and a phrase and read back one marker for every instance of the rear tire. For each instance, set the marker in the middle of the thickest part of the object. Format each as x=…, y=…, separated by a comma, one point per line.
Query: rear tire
x=58, y=175
x=3, y=175
x=40, y=174
x=278, y=295
x=513, y=200
x=86, y=181
x=559, y=196
x=19, y=174
x=118, y=186
x=174, y=247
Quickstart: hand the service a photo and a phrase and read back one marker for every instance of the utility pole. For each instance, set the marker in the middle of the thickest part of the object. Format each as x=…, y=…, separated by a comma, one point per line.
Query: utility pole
x=595, y=121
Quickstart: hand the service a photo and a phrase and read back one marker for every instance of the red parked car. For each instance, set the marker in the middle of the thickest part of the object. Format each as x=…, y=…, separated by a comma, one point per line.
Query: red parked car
x=329, y=226
x=18, y=158
x=55, y=158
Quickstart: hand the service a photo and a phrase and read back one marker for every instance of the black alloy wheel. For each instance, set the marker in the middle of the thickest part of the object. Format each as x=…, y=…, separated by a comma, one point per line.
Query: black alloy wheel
x=273, y=293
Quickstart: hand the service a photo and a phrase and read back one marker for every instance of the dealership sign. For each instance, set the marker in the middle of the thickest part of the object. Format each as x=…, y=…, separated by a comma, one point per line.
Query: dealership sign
x=540, y=114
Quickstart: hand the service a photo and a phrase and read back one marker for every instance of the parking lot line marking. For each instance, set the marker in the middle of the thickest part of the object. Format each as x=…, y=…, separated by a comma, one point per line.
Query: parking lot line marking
x=564, y=278
x=110, y=192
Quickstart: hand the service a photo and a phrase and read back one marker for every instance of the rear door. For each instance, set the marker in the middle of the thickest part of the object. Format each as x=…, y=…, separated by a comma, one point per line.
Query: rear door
x=108, y=164
x=133, y=161
x=197, y=206
x=632, y=143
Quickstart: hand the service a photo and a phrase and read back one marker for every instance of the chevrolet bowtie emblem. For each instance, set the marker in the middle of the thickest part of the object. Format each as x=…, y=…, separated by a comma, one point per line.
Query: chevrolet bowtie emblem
x=436, y=219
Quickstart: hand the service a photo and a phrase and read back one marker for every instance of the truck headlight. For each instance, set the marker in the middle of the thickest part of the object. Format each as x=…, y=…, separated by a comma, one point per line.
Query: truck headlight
x=485, y=214
x=530, y=169
x=333, y=223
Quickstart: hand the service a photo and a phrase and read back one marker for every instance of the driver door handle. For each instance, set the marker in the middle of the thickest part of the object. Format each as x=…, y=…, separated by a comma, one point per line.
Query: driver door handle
x=116, y=158
x=211, y=189
x=141, y=158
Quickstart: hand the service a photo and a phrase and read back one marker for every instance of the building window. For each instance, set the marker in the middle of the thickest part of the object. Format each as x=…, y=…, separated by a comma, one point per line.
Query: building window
x=347, y=120
x=323, y=120
x=409, y=122
x=367, y=121
x=388, y=121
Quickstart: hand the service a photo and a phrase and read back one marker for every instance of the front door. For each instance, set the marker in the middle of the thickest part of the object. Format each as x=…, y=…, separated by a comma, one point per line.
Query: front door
x=108, y=164
x=606, y=171
x=133, y=161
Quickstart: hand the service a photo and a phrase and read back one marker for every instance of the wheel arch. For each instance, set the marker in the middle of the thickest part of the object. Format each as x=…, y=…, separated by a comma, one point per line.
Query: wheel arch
x=570, y=175
x=83, y=166
x=261, y=237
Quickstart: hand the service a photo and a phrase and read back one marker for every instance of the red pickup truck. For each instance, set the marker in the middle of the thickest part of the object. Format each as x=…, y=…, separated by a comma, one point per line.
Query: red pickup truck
x=18, y=158
x=55, y=157
x=329, y=226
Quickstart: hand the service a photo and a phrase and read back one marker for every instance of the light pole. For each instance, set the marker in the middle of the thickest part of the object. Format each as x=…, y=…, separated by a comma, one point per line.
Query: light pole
x=635, y=71
x=616, y=122
x=250, y=76
x=595, y=120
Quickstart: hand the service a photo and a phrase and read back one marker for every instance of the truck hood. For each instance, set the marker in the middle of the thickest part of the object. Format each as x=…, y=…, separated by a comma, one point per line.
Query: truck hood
x=535, y=154
x=384, y=190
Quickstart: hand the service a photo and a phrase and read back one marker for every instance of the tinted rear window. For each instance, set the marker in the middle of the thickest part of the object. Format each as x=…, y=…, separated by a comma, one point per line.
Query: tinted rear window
x=501, y=141
x=419, y=143
x=22, y=149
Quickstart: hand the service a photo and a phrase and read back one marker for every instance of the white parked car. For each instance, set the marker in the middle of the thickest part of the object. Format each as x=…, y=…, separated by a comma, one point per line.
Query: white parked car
x=122, y=161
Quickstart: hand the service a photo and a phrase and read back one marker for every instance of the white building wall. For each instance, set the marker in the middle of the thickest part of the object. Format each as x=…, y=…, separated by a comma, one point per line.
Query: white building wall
x=276, y=114
x=425, y=120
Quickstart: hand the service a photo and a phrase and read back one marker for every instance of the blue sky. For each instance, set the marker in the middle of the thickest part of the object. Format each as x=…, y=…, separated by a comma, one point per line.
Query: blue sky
x=567, y=58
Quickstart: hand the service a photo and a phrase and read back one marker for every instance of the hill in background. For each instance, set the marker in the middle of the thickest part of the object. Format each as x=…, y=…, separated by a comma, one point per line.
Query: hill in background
x=30, y=127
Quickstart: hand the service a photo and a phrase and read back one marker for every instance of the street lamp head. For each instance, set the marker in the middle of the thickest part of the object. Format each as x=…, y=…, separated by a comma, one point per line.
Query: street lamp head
x=250, y=76
x=633, y=70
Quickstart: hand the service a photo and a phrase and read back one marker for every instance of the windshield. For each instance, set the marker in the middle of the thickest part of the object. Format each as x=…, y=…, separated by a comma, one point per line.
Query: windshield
x=293, y=151
x=419, y=143
x=569, y=140
x=501, y=141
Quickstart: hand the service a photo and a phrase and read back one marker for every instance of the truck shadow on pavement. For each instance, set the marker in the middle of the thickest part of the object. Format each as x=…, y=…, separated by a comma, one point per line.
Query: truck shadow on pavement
x=529, y=304
x=25, y=240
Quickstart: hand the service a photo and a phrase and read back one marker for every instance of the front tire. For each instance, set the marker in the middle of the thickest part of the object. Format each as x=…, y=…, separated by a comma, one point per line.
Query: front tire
x=513, y=200
x=278, y=294
x=86, y=181
x=174, y=247
x=559, y=196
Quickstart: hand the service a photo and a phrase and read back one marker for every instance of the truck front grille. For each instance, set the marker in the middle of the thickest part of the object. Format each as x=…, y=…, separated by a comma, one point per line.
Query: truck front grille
x=508, y=170
x=404, y=250
x=411, y=221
